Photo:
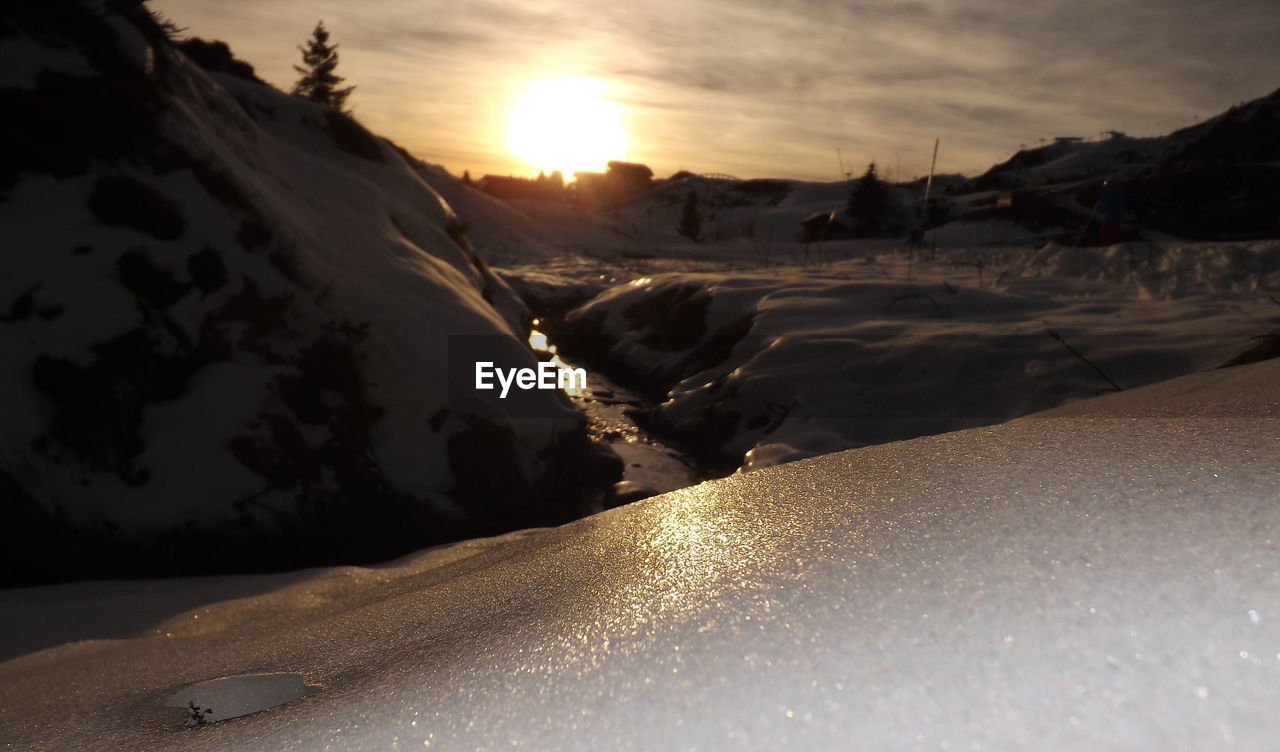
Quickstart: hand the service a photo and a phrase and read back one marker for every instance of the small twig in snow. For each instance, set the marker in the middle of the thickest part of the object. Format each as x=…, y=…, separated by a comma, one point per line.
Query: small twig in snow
x=1114, y=386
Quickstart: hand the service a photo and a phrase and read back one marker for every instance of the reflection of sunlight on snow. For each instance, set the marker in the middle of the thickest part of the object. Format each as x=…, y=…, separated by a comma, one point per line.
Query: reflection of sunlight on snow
x=698, y=561
x=682, y=530
x=693, y=544
x=539, y=342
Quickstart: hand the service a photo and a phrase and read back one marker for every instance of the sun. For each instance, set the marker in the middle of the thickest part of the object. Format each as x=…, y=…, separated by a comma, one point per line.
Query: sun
x=565, y=123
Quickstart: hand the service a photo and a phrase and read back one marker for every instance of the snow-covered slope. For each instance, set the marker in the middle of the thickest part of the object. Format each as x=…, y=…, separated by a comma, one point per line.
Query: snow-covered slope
x=761, y=367
x=227, y=315
x=1102, y=577
x=1243, y=135
x=1219, y=179
x=499, y=232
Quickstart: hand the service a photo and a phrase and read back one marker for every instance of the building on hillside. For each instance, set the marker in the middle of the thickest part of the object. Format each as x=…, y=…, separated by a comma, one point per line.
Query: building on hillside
x=630, y=177
x=603, y=190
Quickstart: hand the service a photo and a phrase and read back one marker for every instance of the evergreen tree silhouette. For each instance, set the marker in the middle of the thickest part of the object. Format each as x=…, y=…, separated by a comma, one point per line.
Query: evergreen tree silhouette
x=868, y=201
x=318, y=82
x=466, y=177
x=690, y=221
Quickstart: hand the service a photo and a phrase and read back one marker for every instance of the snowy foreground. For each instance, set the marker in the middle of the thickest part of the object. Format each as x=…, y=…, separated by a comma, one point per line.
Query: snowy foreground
x=1100, y=576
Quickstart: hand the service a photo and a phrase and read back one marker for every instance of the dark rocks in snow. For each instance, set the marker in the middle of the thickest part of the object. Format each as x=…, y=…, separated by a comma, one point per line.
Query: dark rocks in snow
x=22, y=306
x=207, y=271
x=122, y=201
x=154, y=285
x=98, y=407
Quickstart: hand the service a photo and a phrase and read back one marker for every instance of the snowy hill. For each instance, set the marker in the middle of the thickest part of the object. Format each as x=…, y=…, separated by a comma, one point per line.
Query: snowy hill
x=1219, y=179
x=753, y=367
x=1100, y=577
x=227, y=316
x=1243, y=135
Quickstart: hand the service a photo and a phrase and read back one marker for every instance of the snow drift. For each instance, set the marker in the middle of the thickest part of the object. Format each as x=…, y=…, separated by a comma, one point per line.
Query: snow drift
x=753, y=368
x=1104, y=576
x=226, y=317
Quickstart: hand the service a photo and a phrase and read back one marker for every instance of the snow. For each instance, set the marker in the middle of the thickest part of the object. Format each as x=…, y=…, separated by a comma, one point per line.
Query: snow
x=1003, y=560
x=1169, y=270
x=1089, y=159
x=351, y=244
x=891, y=344
x=500, y=232
x=337, y=215
x=1080, y=578
x=855, y=342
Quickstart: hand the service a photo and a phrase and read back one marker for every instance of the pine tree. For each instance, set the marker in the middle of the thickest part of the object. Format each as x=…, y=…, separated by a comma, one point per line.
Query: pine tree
x=318, y=81
x=466, y=177
x=868, y=201
x=690, y=221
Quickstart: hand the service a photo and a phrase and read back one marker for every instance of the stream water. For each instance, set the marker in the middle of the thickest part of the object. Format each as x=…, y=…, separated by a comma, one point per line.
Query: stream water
x=649, y=466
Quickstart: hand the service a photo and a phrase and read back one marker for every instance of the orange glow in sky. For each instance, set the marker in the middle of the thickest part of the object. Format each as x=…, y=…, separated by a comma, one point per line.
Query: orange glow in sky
x=758, y=88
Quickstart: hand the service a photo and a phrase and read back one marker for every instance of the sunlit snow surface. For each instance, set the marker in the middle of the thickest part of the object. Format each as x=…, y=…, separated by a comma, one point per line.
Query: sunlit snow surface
x=1103, y=577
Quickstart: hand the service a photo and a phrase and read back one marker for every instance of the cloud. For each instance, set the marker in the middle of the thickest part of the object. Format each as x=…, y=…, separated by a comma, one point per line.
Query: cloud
x=772, y=87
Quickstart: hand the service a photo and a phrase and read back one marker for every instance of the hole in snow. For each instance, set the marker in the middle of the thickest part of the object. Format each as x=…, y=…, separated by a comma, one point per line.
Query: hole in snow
x=233, y=696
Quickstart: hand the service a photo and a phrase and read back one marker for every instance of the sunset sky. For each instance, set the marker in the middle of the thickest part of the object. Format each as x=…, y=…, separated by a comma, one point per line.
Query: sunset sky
x=768, y=88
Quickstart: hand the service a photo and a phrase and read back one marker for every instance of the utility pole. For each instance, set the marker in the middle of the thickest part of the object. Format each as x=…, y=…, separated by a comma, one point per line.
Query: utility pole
x=928, y=185
x=917, y=236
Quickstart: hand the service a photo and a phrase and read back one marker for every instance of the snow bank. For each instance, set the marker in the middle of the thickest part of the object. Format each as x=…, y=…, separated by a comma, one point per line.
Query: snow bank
x=1080, y=579
x=226, y=314
x=500, y=233
x=1165, y=270
x=764, y=367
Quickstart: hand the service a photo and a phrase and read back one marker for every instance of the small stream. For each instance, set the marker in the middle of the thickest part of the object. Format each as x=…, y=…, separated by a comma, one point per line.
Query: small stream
x=649, y=466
